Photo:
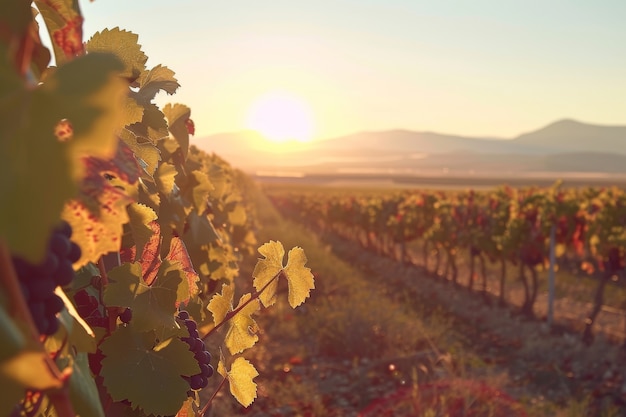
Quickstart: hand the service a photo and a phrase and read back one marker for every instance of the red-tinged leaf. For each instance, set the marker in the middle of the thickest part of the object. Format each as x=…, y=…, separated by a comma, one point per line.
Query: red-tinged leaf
x=65, y=26
x=150, y=258
x=123, y=166
x=97, y=235
x=178, y=253
x=191, y=126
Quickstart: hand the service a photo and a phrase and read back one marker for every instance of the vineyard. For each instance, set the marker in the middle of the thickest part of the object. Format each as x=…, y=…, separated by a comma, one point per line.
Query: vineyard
x=134, y=281
x=494, y=244
x=119, y=242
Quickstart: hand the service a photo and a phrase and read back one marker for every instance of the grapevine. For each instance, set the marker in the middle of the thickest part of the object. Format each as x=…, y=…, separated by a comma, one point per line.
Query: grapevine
x=505, y=226
x=120, y=248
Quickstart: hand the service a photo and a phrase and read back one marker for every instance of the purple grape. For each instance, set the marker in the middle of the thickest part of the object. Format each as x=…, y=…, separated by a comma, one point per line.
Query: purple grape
x=126, y=316
x=196, y=382
x=60, y=245
x=75, y=253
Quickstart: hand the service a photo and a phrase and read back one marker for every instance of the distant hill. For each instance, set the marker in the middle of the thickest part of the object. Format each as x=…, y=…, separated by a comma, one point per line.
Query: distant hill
x=563, y=146
x=572, y=136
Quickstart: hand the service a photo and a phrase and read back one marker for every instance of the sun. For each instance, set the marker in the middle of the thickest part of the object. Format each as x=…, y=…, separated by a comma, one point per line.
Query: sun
x=281, y=117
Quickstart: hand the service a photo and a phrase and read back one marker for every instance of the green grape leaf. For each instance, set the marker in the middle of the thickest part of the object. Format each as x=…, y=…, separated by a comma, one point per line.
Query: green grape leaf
x=140, y=220
x=298, y=276
x=65, y=26
x=201, y=230
x=125, y=282
x=154, y=80
x=148, y=376
x=83, y=390
x=266, y=270
x=74, y=332
x=222, y=304
x=241, y=380
x=165, y=178
x=83, y=91
x=177, y=116
x=124, y=45
x=153, y=305
x=242, y=328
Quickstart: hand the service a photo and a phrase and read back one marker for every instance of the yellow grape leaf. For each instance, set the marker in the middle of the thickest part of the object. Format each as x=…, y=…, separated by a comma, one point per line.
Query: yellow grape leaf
x=242, y=327
x=559, y=250
x=221, y=368
x=266, y=270
x=241, y=380
x=299, y=277
x=221, y=304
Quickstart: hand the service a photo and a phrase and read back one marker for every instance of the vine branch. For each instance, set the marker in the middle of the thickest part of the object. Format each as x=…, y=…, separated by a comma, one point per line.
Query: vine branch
x=231, y=314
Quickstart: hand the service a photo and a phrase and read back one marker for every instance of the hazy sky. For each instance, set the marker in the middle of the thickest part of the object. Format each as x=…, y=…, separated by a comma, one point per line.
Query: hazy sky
x=473, y=67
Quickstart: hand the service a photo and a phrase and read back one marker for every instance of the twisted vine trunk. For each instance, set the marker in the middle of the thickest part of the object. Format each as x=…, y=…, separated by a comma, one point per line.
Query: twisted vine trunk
x=598, y=301
x=502, y=281
x=470, y=283
x=483, y=273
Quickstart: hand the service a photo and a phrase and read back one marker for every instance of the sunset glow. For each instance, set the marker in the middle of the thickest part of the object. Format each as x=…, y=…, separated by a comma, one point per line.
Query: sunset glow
x=281, y=117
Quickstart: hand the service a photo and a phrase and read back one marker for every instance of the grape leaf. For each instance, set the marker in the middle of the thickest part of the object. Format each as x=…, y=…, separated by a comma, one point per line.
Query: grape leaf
x=240, y=379
x=237, y=216
x=145, y=152
x=201, y=188
x=221, y=304
x=125, y=45
x=153, y=305
x=152, y=126
x=189, y=286
x=201, y=230
x=83, y=389
x=223, y=263
x=177, y=116
x=97, y=236
x=65, y=26
x=298, y=276
x=242, y=328
x=165, y=178
x=154, y=80
x=187, y=410
x=140, y=221
x=148, y=376
x=82, y=91
x=266, y=270
x=133, y=111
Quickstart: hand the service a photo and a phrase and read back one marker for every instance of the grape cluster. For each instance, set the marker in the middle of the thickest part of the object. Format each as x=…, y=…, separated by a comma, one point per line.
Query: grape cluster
x=196, y=345
x=39, y=281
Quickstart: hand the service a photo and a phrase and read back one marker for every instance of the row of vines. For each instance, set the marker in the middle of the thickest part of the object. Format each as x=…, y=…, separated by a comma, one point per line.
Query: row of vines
x=119, y=242
x=506, y=226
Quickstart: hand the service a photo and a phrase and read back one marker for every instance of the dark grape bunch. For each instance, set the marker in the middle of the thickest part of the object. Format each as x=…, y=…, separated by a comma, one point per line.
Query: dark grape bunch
x=39, y=281
x=196, y=345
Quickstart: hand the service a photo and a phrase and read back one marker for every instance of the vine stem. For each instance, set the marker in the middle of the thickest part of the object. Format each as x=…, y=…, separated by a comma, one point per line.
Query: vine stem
x=58, y=396
x=208, y=404
x=112, y=312
x=231, y=314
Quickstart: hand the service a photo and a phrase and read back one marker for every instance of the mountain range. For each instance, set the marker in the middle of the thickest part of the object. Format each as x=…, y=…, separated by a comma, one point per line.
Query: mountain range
x=565, y=147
